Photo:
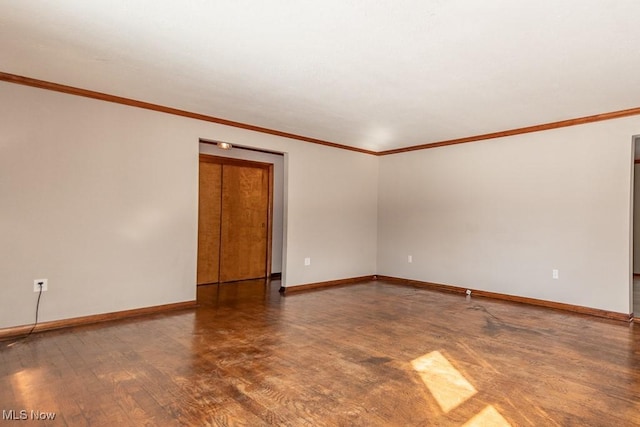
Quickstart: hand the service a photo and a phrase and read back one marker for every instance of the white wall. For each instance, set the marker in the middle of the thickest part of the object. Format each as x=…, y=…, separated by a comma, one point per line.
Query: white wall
x=499, y=215
x=336, y=226
x=101, y=199
x=278, y=192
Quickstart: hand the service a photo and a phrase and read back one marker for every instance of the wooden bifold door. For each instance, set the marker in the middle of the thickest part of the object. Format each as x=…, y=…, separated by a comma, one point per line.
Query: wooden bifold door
x=234, y=220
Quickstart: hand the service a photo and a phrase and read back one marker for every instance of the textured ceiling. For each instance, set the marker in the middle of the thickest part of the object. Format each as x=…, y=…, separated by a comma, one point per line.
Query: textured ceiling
x=377, y=75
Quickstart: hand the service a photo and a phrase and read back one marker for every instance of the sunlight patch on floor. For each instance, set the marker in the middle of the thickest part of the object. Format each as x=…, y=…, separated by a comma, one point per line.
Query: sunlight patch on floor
x=447, y=385
x=451, y=389
x=488, y=417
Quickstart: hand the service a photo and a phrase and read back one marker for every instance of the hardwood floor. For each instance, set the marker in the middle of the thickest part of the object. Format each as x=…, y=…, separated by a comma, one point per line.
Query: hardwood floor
x=371, y=354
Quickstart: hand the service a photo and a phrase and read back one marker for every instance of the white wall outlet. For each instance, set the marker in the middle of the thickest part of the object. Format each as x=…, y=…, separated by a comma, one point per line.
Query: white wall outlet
x=410, y=259
x=307, y=261
x=36, y=285
x=554, y=273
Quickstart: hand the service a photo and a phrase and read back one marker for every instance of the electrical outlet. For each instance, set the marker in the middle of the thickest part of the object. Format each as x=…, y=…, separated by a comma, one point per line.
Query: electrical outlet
x=410, y=259
x=307, y=261
x=554, y=273
x=37, y=282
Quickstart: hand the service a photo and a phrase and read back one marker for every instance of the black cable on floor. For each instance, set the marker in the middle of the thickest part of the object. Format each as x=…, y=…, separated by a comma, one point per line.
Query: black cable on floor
x=37, y=309
x=34, y=325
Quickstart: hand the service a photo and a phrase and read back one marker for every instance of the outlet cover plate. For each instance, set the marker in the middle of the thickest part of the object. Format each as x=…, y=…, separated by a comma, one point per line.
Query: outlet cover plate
x=36, y=286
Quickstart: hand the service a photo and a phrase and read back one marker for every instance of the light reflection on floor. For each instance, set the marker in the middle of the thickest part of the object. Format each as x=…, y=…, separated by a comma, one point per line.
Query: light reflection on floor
x=451, y=389
x=489, y=416
x=448, y=386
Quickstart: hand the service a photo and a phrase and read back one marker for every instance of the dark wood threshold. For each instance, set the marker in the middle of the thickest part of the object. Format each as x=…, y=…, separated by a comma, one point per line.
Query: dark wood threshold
x=272, y=276
x=310, y=286
x=523, y=300
x=18, y=331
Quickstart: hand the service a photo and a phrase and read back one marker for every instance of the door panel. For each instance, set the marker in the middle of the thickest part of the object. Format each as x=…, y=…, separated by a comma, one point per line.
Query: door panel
x=243, y=239
x=209, y=222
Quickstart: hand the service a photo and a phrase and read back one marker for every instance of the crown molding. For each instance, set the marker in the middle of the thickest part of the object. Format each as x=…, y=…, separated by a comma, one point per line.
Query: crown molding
x=518, y=131
x=56, y=87
x=71, y=90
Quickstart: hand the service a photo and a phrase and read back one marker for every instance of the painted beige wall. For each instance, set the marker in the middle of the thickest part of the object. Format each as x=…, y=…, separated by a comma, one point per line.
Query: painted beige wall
x=101, y=199
x=499, y=215
x=337, y=225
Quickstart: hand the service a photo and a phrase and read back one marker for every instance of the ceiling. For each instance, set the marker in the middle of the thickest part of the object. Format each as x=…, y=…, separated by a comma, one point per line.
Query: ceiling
x=377, y=74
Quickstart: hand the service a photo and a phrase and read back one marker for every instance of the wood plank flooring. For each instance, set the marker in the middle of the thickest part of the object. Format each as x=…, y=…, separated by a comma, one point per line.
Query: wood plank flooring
x=371, y=354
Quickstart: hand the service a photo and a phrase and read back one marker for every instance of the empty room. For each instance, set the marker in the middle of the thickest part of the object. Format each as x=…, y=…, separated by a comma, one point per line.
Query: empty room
x=360, y=213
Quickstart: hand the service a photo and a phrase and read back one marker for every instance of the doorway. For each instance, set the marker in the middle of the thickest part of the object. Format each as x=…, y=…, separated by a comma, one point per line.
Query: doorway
x=235, y=213
x=635, y=283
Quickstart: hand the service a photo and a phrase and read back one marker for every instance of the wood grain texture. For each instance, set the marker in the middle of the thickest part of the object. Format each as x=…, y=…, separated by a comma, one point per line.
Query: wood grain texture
x=327, y=284
x=625, y=317
x=56, y=87
x=209, y=215
x=96, y=318
x=236, y=219
x=245, y=223
x=341, y=356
